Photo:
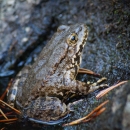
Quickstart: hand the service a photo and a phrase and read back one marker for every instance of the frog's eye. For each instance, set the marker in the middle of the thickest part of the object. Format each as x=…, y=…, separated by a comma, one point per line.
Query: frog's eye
x=72, y=39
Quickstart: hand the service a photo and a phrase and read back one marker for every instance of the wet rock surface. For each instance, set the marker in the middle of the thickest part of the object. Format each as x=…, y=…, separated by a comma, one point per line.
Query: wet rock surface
x=126, y=114
x=26, y=26
x=23, y=26
x=20, y=29
x=117, y=113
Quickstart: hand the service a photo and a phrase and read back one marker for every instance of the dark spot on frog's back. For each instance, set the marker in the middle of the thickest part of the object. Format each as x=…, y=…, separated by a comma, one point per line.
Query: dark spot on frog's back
x=77, y=59
x=81, y=48
x=76, y=70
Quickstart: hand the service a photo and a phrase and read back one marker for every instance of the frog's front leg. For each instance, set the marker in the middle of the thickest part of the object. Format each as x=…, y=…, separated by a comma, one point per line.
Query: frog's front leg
x=96, y=85
x=82, y=87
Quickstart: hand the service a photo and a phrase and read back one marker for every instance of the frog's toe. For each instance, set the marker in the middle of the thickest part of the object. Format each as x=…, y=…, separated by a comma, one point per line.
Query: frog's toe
x=96, y=85
x=99, y=81
x=93, y=88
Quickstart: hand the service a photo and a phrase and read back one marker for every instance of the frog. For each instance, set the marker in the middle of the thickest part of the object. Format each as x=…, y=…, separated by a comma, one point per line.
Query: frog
x=41, y=87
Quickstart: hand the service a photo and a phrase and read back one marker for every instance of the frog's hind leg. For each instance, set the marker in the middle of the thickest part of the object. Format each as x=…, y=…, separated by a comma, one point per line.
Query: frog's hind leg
x=96, y=85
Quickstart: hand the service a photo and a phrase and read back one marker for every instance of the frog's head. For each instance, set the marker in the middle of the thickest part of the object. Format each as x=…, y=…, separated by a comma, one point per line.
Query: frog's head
x=75, y=39
x=62, y=55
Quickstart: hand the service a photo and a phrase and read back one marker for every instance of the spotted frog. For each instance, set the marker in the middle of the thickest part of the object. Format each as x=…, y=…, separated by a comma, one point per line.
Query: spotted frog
x=39, y=90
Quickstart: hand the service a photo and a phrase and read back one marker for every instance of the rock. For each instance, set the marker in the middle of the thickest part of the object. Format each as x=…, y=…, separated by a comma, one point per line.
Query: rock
x=24, y=24
x=34, y=2
x=117, y=114
x=126, y=114
x=20, y=30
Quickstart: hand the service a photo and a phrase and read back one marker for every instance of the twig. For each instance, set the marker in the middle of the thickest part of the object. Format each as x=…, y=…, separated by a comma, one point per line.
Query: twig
x=3, y=114
x=105, y=91
x=97, y=110
x=17, y=111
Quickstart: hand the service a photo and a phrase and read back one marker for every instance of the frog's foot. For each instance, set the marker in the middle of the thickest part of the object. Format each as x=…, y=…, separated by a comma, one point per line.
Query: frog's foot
x=96, y=85
x=86, y=71
x=96, y=112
